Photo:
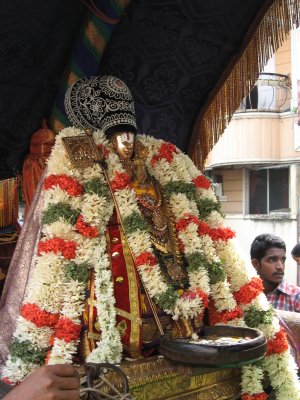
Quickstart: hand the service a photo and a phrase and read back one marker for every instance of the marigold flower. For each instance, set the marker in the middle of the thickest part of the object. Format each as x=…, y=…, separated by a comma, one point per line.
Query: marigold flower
x=192, y=294
x=166, y=151
x=223, y=234
x=39, y=317
x=146, y=258
x=66, y=330
x=279, y=344
x=85, y=229
x=120, y=181
x=201, y=182
x=223, y=316
x=65, y=182
x=249, y=291
x=56, y=245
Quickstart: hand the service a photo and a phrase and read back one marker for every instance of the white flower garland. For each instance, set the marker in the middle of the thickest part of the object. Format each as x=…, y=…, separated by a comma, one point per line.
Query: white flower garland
x=52, y=288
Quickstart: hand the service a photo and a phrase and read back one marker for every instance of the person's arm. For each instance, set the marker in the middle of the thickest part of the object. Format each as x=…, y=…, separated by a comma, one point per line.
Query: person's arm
x=59, y=382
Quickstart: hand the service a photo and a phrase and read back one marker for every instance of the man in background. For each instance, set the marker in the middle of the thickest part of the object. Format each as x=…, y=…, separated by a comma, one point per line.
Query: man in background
x=268, y=255
x=268, y=258
x=296, y=256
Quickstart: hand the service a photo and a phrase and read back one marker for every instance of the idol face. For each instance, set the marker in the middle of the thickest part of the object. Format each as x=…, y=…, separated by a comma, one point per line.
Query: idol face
x=123, y=143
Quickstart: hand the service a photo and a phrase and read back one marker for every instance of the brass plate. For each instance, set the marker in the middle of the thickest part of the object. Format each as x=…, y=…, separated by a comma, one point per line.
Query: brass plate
x=82, y=151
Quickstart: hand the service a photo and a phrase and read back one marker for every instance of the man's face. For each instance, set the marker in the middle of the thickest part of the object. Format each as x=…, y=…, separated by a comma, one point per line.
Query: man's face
x=271, y=266
x=123, y=143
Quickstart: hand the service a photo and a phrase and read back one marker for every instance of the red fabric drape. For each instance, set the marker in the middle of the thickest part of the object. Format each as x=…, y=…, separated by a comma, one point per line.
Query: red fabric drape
x=40, y=147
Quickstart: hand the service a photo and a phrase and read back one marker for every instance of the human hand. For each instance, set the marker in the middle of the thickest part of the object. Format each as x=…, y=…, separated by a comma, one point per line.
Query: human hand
x=51, y=382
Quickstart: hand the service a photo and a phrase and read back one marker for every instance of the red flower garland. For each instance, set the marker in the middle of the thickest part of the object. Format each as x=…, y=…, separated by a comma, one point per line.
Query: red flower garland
x=258, y=396
x=103, y=150
x=120, y=181
x=85, y=229
x=279, y=344
x=56, y=245
x=192, y=294
x=39, y=317
x=223, y=234
x=65, y=182
x=6, y=380
x=165, y=151
x=187, y=219
x=146, y=258
x=223, y=316
x=201, y=182
x=249, y=291
x=66, y=330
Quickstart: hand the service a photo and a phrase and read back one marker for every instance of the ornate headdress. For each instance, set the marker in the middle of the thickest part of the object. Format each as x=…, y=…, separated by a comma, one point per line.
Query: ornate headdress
x=101, y=103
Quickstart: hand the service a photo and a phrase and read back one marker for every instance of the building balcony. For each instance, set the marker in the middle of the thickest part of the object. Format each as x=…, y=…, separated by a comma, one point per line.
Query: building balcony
x=262, y=129
x=271, y=93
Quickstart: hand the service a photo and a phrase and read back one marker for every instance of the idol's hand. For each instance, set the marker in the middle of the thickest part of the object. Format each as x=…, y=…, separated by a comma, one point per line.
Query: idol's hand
x=52, y=382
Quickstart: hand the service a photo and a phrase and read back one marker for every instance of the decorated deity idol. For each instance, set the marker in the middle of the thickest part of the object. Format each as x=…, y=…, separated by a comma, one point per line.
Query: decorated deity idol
x=133, y=245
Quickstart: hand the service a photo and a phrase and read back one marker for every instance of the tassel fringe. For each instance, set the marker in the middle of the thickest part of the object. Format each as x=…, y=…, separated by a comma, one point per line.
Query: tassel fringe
x=269, y=31
x=9, y=201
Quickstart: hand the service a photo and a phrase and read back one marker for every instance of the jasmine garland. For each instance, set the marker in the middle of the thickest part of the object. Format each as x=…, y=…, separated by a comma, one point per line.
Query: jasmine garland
x=76, y=212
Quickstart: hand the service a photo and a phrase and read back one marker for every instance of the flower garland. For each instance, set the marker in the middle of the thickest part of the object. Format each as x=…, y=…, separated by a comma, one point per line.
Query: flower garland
x=206, y=275
x=196, y=239
x=77, y=207
x=76, y=214
x=169, y=165
x=258, y=313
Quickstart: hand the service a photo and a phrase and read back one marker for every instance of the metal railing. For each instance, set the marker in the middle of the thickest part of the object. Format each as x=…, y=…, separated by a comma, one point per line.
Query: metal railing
x=271, y=93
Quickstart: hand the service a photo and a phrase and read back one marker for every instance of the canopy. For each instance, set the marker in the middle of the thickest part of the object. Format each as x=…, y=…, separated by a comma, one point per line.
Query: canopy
x=188, y=63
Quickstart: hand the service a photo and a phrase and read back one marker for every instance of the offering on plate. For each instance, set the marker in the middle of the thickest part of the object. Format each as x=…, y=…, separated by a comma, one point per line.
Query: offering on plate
x=216, y=346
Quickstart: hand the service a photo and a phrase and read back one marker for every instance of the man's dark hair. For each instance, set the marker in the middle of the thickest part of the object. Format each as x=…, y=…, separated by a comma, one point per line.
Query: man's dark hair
x=296, y=250
x=264, y=242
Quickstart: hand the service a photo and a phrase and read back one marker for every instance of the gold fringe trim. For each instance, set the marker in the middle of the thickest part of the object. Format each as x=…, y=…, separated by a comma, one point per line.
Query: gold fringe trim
x=9, y=201
x=269, y=31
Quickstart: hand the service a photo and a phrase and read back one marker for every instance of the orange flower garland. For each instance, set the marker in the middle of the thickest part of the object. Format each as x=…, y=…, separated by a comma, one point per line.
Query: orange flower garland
x=57, y=245
x=249, y=292
x=85, y=229
x=279, y=344
x=37, y=316
x=65, y=182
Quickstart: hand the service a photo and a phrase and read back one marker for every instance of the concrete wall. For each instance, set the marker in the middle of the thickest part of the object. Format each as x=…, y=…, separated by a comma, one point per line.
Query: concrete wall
x=283, y=58
x=232, y=191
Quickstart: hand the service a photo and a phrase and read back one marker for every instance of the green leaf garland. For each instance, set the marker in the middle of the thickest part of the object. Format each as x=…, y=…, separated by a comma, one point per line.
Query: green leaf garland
x=59, y=210
x=206, y=206
x=77, y=272
x=167, y=299
x=96, y=186
x=216, y=273
x=179, y=187
x=134, y=222
x=27, y=352
x=196, y=261
x=254, y=317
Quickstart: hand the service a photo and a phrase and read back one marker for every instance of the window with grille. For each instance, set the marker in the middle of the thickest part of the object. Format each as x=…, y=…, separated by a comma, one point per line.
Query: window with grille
x=268, y=190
